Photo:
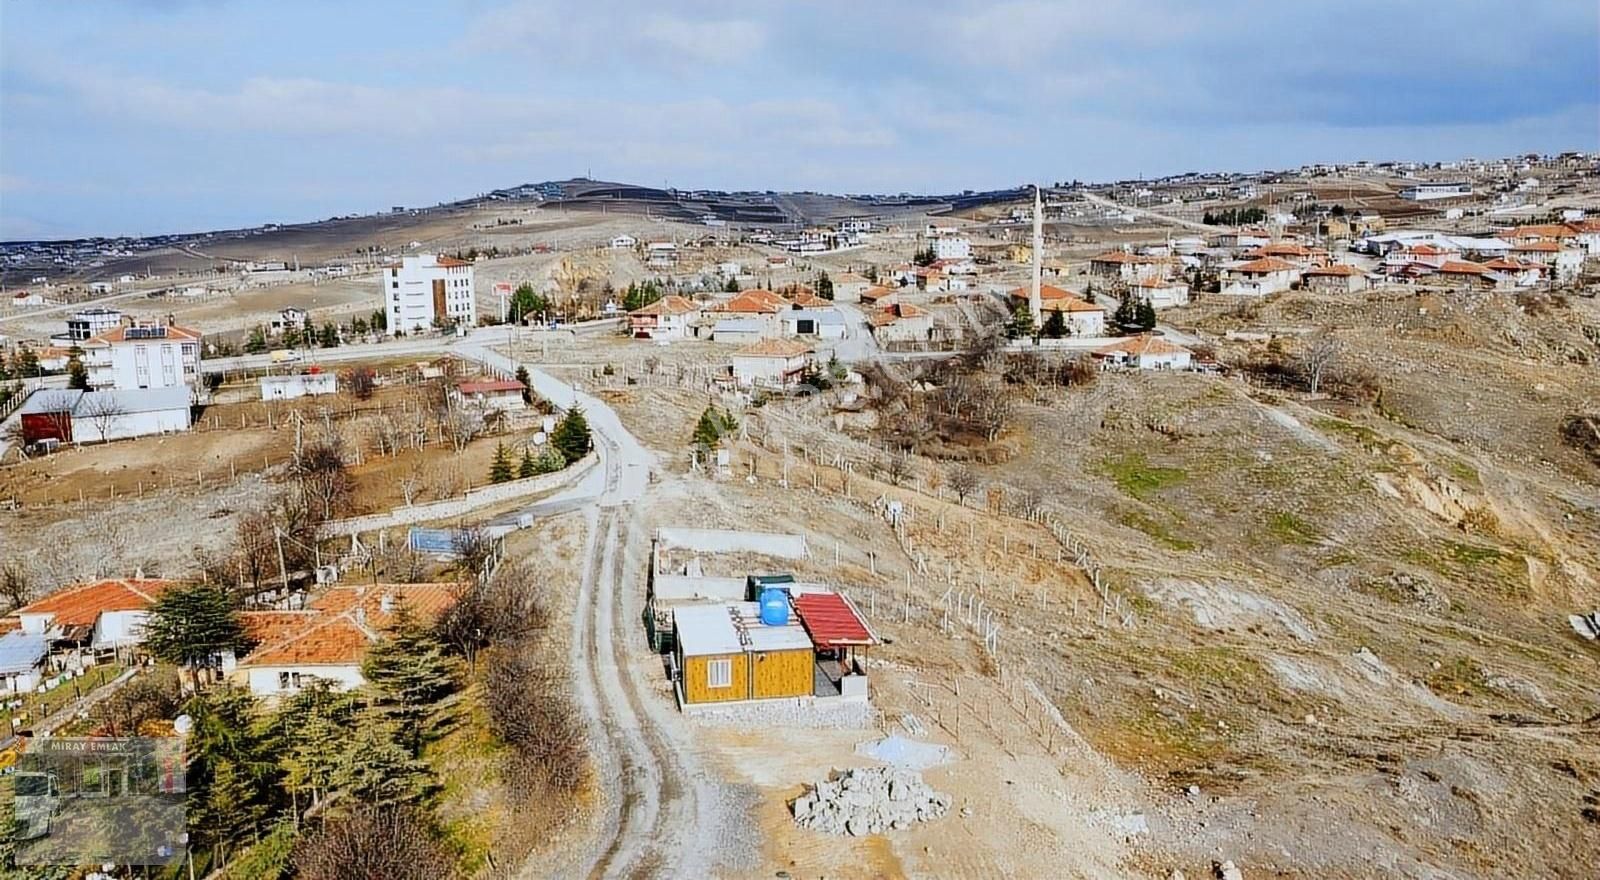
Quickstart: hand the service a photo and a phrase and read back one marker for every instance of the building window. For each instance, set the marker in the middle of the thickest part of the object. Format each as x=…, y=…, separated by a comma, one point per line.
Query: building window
x=283, y=681
x=719, y=673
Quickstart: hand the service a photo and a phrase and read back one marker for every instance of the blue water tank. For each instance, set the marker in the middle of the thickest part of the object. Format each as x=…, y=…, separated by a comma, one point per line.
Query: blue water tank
x=774, y=607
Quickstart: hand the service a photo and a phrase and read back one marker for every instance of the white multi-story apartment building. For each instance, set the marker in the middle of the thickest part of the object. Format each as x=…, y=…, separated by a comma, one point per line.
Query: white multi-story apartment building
x=952, y=248
x=144, y=354
x=426, y=289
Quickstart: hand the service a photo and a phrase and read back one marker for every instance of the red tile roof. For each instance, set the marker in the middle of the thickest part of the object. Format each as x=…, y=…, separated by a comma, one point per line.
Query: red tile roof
x=82, y=604
x=755, y=301
x=872, y=294
x=1462, y=267
x=1263, y=266
x=119, y=334
x=1046, y=292
x=451, y=262
x=832, y=621
x=1142, y=344
x=1336, y=269
x=785, y=348
x=1543, y=247
x=340, y=624
x=672, y=304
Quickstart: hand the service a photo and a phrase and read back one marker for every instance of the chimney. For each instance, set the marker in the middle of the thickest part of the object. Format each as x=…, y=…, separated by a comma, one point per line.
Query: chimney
x=361, y=615
x=386, y=603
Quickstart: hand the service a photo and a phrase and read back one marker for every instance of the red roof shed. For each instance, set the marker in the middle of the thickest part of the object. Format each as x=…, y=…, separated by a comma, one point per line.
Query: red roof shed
x=832, y=621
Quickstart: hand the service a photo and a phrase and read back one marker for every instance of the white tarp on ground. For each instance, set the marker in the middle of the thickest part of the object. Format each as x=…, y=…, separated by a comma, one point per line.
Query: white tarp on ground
x=732, y=541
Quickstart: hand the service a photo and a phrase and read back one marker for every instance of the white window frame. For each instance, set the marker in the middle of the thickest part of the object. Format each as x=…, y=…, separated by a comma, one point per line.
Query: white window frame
x=719, y=673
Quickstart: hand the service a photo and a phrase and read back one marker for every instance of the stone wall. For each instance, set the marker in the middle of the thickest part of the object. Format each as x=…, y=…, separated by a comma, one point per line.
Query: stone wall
x=475, y=499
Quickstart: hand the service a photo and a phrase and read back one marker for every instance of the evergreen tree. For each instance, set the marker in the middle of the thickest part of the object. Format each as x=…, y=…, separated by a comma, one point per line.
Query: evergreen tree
x=708, y=430
x=192, y=626
x=549, y=461
x=1021, y=323
x=257, y=341
x=77, y=375
x=571, y=436
x=527, y=383
x=731, y=285
x=376, y=769
x=225, y=749
x=1127, y=313
x=1146, y=316
x=312, y=725
x=5, y=373
x=27, y=364
x=407, y=672
x=229, y=807
x=380, y=320
x=824, y=286
x=500, y=468
x=526, y=467
x=1055, y=326
x=291, y=337
x=330, y=335
x=836, y=369
x=358, y=326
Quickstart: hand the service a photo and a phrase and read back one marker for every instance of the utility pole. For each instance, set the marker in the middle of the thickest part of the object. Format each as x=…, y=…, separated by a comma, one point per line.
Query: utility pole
x=283, y=569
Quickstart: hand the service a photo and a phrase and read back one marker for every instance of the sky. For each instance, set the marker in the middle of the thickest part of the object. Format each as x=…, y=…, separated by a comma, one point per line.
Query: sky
x=151, y=116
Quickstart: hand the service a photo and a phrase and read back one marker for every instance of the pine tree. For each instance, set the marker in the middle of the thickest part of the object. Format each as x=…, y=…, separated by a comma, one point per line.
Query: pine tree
x=1055, y=326
x=527, y=467
x=257, y=341
x=77, y=375
x=1146, y=316
x=1021, y=323
x=27, y=364
x=571, y=436
x=824, y=286
x=500, y=469
x=192, y=626
x=380, y=320
x=731, y=285
x=330, y=335
x=407, y=672
x=230, y=807
x=377, y=769
x=708, y=430
x=312, y=726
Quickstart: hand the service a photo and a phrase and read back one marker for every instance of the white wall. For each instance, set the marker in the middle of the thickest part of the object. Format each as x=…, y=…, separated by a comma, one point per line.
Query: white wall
x=120, y=628
x=263, y=680
x=143, y=424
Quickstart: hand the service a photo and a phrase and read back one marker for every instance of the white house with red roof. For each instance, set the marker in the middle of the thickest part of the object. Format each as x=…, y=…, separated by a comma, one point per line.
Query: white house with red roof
x=329, y=640
x=669, y=317
x=101, y=614
x=502, y=395
x=427, y=289
x=1145, y=352
x=143, y=354
x=1161, y=293
x=1337, y=278
x=1260, y=277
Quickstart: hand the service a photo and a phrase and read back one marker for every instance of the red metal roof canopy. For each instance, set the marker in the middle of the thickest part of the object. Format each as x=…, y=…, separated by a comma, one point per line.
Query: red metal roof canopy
x=483, y=387
x=832, y=621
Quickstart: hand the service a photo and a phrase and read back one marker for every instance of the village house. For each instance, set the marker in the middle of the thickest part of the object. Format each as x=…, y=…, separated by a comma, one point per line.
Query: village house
x=779, y=363
x=740, y=331
x=825, y=323
x=24, y=299
x=1337, y=278
x=900, y=322
x=661, y=254
x=499, y=395
x=877, y=296
x=669, y=317
x=848, y=286
x=1144, y=352
x=1120, y=266
x=71, y=416
x=143, y=355
x=1517, y=272
x=291, y=318
x=1161, y=293
x=312, y=383
x=329, y=639
x=1460, y=273
x=99, y=616
x=1292, y=252
x=1262, y=277
x=1018, y=297
x=755, y=309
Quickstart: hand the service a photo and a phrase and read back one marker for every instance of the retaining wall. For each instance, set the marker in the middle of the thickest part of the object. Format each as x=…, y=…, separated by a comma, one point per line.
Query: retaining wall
x=475, y=499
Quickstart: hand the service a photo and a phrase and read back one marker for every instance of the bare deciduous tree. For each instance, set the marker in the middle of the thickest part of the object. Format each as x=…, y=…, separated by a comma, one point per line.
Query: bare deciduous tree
x=16, y=583
x=320, y=473
x=898, y=466
x=361, y=382
x=963, y=481
x=395, y=843
x=102, y=409
x=1321, y=355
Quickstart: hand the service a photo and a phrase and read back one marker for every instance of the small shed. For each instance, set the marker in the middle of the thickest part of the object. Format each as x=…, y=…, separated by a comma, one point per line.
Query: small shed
x=21, y=661
x=711, y=658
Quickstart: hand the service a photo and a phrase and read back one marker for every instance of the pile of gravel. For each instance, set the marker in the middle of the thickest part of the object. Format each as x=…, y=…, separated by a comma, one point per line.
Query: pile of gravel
x=869, y=800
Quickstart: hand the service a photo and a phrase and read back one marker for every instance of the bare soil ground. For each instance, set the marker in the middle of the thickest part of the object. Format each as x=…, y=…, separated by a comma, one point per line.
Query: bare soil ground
x=1346, y=623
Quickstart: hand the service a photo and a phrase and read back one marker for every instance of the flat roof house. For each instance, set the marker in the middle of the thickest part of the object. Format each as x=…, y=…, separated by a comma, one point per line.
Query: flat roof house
x=772, y=362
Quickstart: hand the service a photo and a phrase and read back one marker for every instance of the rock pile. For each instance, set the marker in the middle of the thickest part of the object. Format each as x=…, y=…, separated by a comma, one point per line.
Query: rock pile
x=869, y=800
